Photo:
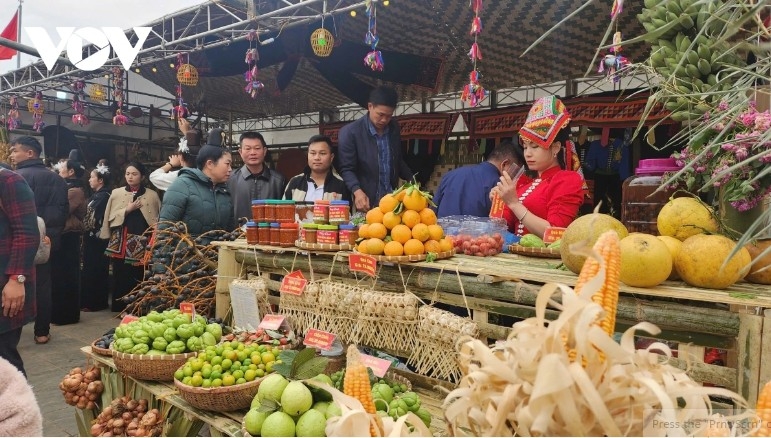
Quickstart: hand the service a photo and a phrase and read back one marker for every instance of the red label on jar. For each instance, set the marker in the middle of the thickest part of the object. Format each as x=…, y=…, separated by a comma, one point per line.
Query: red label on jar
x=326, y=236
x=338, y=213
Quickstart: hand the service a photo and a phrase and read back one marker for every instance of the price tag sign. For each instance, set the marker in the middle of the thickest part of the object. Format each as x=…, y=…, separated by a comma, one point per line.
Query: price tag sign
x=362, y=263
x=293, y=283
x=552, y=234
x=379, y=366
x=188, y=308
x=496, y=210
x=271, y=322
x=318, y=339
x=128, y=318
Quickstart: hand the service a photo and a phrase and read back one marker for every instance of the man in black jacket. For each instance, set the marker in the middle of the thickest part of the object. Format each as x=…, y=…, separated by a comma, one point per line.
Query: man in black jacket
x=52, y=205
x=253, y=180
x=370, y=150
x=319, y=179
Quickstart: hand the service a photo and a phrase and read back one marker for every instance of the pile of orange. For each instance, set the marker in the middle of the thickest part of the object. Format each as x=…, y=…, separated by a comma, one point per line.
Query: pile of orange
x=411, y=231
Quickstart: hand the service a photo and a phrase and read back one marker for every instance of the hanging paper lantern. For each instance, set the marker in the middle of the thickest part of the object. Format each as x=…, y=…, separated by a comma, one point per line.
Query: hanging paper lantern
x=36, y=106
x=97, y=93
x=322, y=42
x=187, y=74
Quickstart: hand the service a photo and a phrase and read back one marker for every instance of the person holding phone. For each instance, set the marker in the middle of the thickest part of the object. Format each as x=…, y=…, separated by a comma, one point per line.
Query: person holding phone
x=466, y=190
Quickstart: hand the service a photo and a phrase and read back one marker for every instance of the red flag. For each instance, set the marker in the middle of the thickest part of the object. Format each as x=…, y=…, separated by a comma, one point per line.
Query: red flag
x=11, y=32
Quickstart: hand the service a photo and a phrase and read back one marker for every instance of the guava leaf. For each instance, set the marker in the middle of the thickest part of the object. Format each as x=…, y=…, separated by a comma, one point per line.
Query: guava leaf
x=302, y=357
x=311, y=368
x=268, y=406
x=285, y=367
x=431, y=257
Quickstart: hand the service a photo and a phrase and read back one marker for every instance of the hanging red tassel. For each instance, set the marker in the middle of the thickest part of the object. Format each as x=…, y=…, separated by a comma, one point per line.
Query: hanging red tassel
x=476, y=26
x=616, y=9
x=476, y=6
x=475, y=54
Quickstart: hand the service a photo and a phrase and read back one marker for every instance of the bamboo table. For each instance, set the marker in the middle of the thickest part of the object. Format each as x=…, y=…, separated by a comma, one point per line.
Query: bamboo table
x=737, y=319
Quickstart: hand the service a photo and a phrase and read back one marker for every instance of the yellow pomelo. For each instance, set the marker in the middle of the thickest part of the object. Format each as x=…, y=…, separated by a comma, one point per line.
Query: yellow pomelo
x=674, y=248
x=645, y=260
x=684, y=217
x=587, y=228
x=700, y=261
x=759, y=274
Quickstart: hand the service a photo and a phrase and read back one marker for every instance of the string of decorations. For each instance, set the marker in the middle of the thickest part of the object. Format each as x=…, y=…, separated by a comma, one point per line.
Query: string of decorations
x=253, y=85
x=373, y=59
x=37, y=108
x=180, y=109
x=119, y=119
x=614, y=61
x=78, y=103
x=14, y=121
x=473, y=92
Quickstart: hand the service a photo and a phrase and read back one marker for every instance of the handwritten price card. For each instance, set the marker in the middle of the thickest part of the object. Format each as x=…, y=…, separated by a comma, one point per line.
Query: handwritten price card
x=379, y=366
x=188, y=308
x=362, y=263
x=128, y=318
x=271, y=322
x=293, y=284
x=552, y=234
x=318, y=339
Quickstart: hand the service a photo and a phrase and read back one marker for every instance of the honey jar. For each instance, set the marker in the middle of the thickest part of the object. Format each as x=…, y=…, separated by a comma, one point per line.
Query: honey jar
x=288, y=234
x=251, y=233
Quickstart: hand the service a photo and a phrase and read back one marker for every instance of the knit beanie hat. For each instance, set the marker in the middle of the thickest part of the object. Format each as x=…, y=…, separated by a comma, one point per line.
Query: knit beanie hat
x=546, y=118
x=19, y=411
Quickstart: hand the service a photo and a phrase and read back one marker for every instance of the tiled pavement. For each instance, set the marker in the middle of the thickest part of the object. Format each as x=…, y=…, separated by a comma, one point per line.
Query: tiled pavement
x=47, y=364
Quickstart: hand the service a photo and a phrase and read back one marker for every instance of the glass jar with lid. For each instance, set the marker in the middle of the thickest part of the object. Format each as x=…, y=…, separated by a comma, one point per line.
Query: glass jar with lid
x=327, y=234
x=640, y=202
x=339, y=212
x=284, y=212
x=263, y=233
x=258, y=210
x=321, y=212
x=275, y=233
x=303, y=211
x=288, y=234
x=348, y=234
x=270, y=210
x=251, y=233
x=308, y=234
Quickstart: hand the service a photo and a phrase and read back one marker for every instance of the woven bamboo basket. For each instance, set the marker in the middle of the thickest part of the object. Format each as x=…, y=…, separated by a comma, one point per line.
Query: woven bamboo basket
x=434, y=354
x=100, y=351
x=548, y=253
x=159, y=367
x=260, y=291
x=301, y=310
x=220, y=399
x=393, y=377
x=338, y=309
x=411, y=258
x=387, y=320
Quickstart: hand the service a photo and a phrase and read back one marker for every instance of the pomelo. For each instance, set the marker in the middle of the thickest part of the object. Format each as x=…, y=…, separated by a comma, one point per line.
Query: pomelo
x=311, y=423
x=278, y=424
x=674, y=246
x=758, y=274
x=296, y=398
x=272, y=388
x=684, y=217
x=645, y=260
x=591, y=227
x=700, y=261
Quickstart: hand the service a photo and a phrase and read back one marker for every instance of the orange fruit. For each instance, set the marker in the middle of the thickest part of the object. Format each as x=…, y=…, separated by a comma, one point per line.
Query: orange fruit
x=436, y=232
x=400, y=196
x=427, y=216
x=375, y=216
x=432, y=246
x=393, y=248
x=377, y=231
x=388, y=203
x=420, y=232
x=364, y=231
x=390, y=220
x=375, y=246
x=362, y=247
x=446, y=244
x=415, y=201
x=413, y=247
x=401, y=233
x=410, y=218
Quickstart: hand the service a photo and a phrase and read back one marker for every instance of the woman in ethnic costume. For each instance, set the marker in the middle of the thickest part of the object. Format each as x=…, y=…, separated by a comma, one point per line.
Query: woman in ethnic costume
x=96, y=266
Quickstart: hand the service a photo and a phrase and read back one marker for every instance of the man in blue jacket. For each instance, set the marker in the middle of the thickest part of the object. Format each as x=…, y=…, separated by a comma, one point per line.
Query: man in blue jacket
x=370, y=151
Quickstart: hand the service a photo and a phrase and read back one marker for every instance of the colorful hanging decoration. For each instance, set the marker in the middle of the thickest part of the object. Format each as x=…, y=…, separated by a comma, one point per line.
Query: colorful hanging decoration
x=253, y=85
x=180, y=109
x=616, y=9
x=322, y=41
x=97, y=93
x=78, y=103
x=187, y=74
x=37, y=107
x=473, y=93
x=373, y=59
x=613, y=62
x=13, y=121
x=119, y=119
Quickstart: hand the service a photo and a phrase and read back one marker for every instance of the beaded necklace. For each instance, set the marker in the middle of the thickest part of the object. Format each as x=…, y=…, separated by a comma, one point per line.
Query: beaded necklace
x=522, y=197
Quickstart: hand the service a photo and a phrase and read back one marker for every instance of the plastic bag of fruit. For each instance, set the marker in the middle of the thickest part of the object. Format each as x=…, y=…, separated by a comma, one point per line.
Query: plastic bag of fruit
x=477, y=236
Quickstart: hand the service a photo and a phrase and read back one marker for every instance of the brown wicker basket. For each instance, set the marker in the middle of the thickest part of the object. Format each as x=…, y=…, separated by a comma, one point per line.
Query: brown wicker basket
x=398, y=378
x=159, y=367
x=222, y=398
x=410, y=258
x=547, y=253
x=100, y=351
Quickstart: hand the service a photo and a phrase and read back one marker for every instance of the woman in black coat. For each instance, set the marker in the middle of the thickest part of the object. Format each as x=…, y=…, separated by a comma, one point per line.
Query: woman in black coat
x=96, y=266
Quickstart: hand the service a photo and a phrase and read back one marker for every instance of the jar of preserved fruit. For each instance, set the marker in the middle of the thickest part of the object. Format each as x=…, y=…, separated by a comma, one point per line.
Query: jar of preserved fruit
x=321, y=212
x=348, y=234
x=308, y=234
x=327, y=234
x=640, y=206
x=288, y=233
x=339, y=212
x=270, y=210
x=275, y=233
x=284, y=211
x=303, y=211
x=251, y=233
x=263, y=233
x=258, y=210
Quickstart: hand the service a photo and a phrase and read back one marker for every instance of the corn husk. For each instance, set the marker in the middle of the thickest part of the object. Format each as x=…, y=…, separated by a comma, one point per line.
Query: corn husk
x=528, y=386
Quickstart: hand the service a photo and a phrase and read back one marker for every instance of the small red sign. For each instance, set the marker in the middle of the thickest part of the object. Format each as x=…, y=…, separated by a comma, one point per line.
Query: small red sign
x=188, y=308
x=318, y=339
x=379, y=366
x=362, y=263
x=552, y=234
x=271, y=322
x=497, y=208
x=128, y=318
x=293, y=283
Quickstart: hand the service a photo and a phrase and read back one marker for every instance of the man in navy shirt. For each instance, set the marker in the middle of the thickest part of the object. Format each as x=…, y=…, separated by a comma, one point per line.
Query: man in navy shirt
x=466, y=190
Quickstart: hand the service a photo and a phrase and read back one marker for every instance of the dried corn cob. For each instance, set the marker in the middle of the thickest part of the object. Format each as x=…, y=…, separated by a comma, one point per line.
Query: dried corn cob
x=607, y=247
x=356, y=383
x=763, y=410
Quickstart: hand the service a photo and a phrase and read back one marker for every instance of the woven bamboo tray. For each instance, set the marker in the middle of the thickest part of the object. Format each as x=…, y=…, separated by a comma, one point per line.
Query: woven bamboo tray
x=393, y=377
x=409, y=258
x=99, y=350
x=159, y=367
x=322, y=246
x=222, y=398
x=547, y=253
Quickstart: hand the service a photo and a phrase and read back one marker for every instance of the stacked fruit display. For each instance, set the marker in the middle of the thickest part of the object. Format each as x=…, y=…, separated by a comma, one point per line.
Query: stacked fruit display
x=281, y=338
x=82, y=388
x=228, y=364
x=169, y=332
x=402, y=224
x=686, y=48
x=128, y=417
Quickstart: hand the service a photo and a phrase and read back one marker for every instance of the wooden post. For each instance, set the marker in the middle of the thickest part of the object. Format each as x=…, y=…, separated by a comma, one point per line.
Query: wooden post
x=765, y=350
x=227, y=271
x=749, y=353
